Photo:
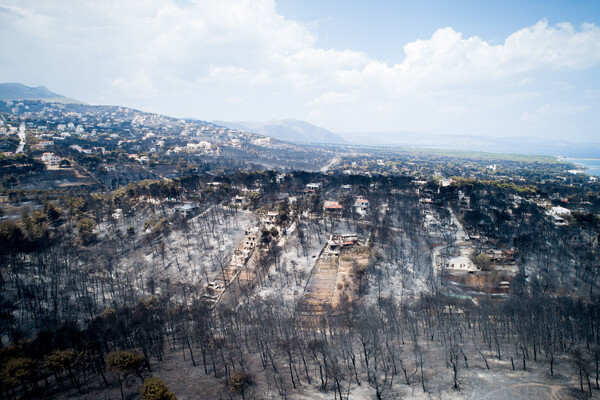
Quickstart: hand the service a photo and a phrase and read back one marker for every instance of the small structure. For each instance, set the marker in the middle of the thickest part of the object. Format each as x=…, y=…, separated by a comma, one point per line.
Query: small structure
x=332, y=206
x=118, y=214
x=446, y=182
x=240, y=201
x=270, y=218
x=361, y=204
x=43, y=144
x=251, y=238
x=560, y=212
x=187, y=210
x=240, y=256
x=461, y=264
x=50, y=159
x=501, y=257
x=337, y=242
x=330, y=255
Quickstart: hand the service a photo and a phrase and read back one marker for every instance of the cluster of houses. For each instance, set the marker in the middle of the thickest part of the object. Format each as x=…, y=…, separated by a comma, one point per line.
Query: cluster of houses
x=49, y=123
x=361, y=206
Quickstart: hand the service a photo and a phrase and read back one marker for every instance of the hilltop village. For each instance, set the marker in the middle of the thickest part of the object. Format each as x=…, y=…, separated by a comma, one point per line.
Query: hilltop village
x=234, y=265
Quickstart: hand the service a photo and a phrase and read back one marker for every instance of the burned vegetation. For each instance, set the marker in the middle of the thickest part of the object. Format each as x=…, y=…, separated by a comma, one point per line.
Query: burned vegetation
x=386, y=275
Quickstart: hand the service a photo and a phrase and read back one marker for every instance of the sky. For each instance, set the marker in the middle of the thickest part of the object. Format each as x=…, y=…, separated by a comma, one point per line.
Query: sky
x=494, y=68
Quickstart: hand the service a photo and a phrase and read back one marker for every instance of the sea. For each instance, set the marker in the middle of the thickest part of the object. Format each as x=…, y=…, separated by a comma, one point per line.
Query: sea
x=591, y=165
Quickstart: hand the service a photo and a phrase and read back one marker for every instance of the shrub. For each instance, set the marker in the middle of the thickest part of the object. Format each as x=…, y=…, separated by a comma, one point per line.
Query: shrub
x=155, y=389
x=239, y=381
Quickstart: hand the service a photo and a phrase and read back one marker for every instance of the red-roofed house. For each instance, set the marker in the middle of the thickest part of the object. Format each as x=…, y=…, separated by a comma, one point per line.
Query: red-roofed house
x=332, y=206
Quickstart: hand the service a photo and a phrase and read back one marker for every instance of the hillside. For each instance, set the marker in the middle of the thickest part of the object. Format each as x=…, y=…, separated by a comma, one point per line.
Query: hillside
x=288, y=129
x=225, y=264
x=18, y=91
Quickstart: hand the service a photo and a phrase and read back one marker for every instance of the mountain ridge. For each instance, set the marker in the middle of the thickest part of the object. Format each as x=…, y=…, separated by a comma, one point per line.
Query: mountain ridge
x=293, y=130
x=18, y=91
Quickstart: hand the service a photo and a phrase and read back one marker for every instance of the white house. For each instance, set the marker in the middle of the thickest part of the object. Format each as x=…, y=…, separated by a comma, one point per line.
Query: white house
x=187, y=210
x=361, y=204
x=446, y=182
x=251, y=238
x=560, y=211
x=50, y=159
x=461, y=264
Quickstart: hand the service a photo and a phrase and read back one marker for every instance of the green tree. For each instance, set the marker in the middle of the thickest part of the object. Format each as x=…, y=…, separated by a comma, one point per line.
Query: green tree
x=85, y=227
x=53, y=213
x=59, y=361
x=481, y=260
x=11, y=237
x=155, y=389
x=19, y=371
x=76, y=206
x=124, y=363
x=35, y=225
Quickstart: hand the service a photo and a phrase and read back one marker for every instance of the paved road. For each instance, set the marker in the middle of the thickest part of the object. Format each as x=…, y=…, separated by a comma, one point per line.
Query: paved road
x=331, y=163
x=458, y=240
x=22, y=137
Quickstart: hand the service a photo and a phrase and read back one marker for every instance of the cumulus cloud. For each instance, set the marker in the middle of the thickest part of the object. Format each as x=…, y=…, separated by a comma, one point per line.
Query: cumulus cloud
x=449, y=60
x=206, y=52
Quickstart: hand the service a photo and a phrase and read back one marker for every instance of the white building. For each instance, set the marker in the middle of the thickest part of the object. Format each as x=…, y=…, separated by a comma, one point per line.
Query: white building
x=446, y=182
x=50, y=159
x=461, y=264
x=560, y=211
x=361, y=204
x=251, y=238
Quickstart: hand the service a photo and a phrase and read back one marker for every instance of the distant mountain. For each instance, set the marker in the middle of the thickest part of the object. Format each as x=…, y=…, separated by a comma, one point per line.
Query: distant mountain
x=511, y=144
x=292, y=130
x=18, y=91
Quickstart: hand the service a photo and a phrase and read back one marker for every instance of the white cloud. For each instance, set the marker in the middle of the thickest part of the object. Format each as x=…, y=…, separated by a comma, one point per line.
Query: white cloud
x=447, y=60
x=182, y=57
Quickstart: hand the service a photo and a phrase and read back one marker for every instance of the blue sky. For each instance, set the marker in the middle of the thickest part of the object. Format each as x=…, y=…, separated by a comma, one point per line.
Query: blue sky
x=381, y=28
x=509, y=68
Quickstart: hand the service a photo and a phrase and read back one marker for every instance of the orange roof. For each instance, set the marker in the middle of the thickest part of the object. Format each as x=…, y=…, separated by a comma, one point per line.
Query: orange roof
x=333, y=205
